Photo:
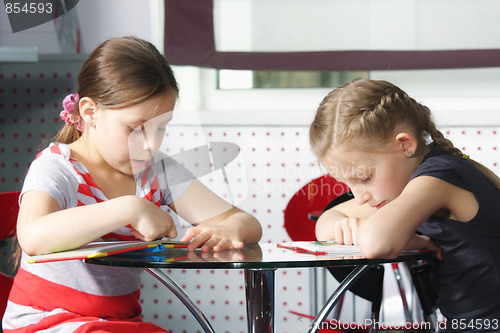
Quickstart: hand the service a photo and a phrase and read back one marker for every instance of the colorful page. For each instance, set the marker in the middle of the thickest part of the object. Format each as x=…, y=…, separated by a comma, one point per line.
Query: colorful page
x=320, y=247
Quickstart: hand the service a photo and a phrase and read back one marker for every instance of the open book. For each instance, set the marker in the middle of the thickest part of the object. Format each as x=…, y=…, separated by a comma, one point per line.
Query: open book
x=102, y=249
x=320, y=247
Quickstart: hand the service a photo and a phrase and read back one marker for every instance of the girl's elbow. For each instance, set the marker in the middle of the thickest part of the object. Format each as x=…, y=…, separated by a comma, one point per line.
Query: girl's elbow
x=28, y=248
x=322, y=235
x=29, y=243
x=324, y=229
x=378, y=254
x=258, y=231
x=373, y=248
x=253, y=229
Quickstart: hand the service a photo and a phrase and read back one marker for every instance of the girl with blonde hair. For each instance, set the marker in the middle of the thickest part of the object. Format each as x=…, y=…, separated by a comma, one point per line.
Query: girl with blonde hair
x=412, y=189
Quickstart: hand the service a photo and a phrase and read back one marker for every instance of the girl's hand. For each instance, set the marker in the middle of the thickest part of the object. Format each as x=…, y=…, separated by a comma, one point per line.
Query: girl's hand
x=218, y=224
x=346, y=230
x=418, y=242
x=151, y=221
x=215, y=237
x=341, y=223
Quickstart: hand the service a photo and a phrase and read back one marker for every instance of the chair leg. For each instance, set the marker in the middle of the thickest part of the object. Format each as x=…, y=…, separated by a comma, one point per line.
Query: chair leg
x=377, y=297
x=399, y=280
x=426, y=293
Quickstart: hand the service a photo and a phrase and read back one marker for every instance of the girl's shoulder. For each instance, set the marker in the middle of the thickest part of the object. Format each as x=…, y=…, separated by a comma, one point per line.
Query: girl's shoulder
x=53, y=161
x=451, y=168
x=53, y=173
x=55, y=150
x=439, y=160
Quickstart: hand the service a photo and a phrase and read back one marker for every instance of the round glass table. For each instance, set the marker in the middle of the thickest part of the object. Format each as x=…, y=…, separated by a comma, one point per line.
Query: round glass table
x=259, y=262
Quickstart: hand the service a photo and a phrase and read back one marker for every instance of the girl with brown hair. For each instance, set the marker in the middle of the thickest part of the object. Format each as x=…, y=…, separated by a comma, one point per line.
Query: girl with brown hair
x=101, y=179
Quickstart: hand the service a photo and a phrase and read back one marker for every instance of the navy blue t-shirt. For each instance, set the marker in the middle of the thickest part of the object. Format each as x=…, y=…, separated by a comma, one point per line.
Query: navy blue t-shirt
x=467, y=280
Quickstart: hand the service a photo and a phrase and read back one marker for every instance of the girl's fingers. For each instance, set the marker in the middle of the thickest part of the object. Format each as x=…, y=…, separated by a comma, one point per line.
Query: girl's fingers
x=211, y=243
x=347, y=237
x=339, y=234
x=187, y=236
x=354, y=224
x=137, y=234
x=238, y=245
x=437, y=251
x=198, y=241
x=226, y=244
x=210, y=240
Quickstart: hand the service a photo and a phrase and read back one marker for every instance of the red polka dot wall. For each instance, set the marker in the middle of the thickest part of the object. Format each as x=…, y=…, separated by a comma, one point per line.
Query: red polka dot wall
x=30, y=102
x=272, y=163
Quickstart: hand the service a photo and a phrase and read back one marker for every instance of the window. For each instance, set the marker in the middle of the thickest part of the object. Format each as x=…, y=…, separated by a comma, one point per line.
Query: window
x=246, y=79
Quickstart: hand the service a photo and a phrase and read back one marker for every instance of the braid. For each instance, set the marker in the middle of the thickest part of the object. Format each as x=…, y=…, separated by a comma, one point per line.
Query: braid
x=366, y=113
x=440, y=140
x=448, y=146
x=390, y=99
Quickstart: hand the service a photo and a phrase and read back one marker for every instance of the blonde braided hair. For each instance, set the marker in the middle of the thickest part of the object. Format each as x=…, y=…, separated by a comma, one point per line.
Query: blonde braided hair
x=367, y=113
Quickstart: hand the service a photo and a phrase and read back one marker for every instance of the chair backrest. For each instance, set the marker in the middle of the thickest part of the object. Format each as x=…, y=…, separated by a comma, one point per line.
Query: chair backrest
x=308, y=202
x=301, y=214
x=9, y=209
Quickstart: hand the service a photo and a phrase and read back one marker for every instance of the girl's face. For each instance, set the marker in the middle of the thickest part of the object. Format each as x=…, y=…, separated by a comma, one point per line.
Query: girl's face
x=375, y=177
x=128, y=137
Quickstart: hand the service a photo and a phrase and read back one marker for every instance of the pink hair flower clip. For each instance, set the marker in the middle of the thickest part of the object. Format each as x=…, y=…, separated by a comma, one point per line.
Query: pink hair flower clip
x=68, y=116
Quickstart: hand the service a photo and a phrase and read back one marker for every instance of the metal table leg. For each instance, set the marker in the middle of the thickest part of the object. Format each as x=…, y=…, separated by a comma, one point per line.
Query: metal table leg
x=333, y=300
x=313, y=289
x=182, y=296
x=259, y=286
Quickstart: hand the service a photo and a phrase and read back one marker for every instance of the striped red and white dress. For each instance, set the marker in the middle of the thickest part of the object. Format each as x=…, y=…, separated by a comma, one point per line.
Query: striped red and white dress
x=71, y=296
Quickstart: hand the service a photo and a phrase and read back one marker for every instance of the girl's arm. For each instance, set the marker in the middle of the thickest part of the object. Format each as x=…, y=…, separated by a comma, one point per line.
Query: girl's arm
x=42, y=227
x=392, y=228
x=218, y=224
x=337, y=225
x=341, y=222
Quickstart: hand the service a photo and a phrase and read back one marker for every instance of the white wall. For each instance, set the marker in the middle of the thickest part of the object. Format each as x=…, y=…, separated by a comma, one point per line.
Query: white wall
x=470, y=96
x=457, y=98
x=102, y=19
x=98, y=20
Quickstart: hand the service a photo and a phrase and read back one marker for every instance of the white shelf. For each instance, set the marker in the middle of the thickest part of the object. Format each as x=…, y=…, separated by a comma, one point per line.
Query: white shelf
x=18, y=54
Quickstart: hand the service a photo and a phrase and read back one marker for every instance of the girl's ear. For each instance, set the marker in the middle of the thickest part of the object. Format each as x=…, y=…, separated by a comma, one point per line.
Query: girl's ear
x=407, y=143
x=88, y=108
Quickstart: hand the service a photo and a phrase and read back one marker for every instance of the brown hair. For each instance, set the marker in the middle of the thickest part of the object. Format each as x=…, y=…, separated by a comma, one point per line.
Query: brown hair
x=121, y=72
x=367, y=113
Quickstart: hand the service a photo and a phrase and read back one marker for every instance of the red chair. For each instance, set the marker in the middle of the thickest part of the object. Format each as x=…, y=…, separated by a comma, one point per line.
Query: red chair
x=300, y=217
x=308, y=203
x=9, y=209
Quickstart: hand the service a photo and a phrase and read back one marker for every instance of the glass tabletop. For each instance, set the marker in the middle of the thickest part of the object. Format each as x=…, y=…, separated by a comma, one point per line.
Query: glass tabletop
x=257, y=256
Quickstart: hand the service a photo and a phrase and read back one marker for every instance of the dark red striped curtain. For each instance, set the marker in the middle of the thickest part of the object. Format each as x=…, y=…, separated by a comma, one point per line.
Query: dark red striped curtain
x=189, y=40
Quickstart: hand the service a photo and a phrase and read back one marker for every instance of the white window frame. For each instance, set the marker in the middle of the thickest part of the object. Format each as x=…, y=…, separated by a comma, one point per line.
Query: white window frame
x=470, y=97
